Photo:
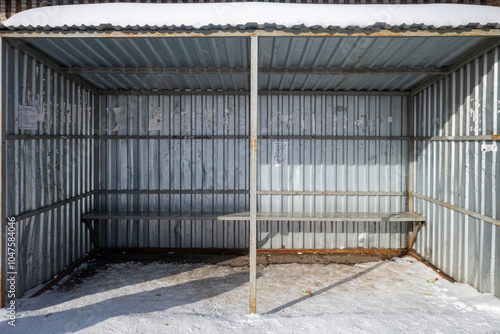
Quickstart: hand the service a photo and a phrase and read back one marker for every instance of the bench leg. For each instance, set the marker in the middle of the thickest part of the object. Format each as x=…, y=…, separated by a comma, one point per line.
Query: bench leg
x=93, y=233
x=413, y=228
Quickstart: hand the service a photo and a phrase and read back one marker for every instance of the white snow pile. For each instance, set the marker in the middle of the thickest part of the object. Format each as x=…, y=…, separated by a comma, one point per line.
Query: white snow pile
x=401, y=296
x=286, y=15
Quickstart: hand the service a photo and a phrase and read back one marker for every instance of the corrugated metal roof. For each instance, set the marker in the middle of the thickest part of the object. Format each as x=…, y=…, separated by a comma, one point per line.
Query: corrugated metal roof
x=142, y=52
x=286, y=63
x=275, y=52
x=362, y=52
x=169, y=81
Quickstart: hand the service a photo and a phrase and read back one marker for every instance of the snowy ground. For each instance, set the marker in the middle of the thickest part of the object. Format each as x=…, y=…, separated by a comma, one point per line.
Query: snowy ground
x=374, y=297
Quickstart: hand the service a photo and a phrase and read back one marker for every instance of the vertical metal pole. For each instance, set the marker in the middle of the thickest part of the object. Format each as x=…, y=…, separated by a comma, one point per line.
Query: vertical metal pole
x=97, y=155
x=411, y=170
x=3, y=218
x=253, y=173
x=411, y=155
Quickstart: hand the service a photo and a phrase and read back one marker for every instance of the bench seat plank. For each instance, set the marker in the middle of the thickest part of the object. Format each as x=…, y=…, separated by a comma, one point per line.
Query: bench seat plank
x=154, y=215
x=261, y=216
x=330, y=216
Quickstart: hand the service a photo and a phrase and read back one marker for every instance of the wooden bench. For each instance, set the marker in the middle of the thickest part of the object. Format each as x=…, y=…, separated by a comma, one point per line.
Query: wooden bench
x=330, y=216
x=410, y=217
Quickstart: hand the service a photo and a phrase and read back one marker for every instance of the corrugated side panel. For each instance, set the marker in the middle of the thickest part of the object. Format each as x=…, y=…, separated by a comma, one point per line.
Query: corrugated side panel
x=45, y=170
x=200, y=169
x=199, y=166
x=465, y=103
x=375, y=165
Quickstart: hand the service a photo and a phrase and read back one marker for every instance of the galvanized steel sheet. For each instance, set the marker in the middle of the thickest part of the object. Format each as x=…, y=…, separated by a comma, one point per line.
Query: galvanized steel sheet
x=461, y=172
x=189, y=158
x=46, y=166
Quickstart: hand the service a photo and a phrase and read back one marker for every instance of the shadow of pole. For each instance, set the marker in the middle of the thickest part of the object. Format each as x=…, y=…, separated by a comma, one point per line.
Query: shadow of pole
x=137, y=302
x=325, y=289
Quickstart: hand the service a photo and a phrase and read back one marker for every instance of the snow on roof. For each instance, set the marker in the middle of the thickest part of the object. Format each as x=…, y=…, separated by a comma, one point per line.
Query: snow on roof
x=250, y=15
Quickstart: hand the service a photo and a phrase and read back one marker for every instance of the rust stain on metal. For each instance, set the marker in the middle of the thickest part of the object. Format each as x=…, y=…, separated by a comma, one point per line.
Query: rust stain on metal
x=65, y=272
x=253, y=307
x=389, y=252
x=253, y=298
x=495, y=137
x=430, y=265
x=253, y=143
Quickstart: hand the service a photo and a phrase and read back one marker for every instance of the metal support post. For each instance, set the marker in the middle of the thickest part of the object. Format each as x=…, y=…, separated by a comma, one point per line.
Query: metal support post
x=253, y=174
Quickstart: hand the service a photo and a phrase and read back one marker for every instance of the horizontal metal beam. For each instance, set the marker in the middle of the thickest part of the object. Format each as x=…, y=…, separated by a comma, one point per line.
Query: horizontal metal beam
x=246, y=71
x=470, y=213
x=170, y=137
x=334, y=193
x=56, y=137
x=222, y=137
x=154, y=70
x=124, y=33
x=56, y=205
x=331, y=137
x=173, y=92
x=260, y=192
x=261, y=92
x=459, y=138
x=335, y=92
x=174, y=192
x=264, y=137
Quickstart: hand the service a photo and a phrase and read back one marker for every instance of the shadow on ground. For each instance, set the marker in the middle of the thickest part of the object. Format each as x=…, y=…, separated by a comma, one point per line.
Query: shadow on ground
x=325, y=289
x=160, y=299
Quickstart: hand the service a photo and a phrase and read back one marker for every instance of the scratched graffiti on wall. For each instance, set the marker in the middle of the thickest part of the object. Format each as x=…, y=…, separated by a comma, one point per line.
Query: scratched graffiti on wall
x=475, y=111
x=118, y=119
x=47, y=110
x=280, y=153
x=156, y=123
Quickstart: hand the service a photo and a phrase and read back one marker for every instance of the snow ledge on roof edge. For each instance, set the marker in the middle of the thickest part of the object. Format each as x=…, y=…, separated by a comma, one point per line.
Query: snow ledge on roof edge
x=254, y=26
x=253, y=16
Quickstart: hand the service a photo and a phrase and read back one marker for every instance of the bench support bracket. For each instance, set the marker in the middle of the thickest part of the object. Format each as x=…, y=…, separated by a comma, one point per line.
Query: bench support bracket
x=92, y=229
x=413, y=228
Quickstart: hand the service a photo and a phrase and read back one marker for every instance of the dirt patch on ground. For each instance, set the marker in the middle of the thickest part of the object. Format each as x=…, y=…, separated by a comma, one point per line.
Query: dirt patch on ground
x=349, y=259
x=105, y=258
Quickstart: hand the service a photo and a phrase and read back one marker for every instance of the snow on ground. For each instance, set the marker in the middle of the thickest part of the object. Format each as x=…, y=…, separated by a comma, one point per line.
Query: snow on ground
x=289, y=15
x=375, y=297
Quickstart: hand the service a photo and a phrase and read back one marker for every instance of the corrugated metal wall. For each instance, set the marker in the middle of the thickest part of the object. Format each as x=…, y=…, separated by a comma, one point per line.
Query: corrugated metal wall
x=46, y=167
x=199, y=162
x=466, y=103
x=321, y=159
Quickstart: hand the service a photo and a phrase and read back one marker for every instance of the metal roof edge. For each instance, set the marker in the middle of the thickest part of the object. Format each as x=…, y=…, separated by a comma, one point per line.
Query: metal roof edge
x=378, y=30
x=252, y=26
